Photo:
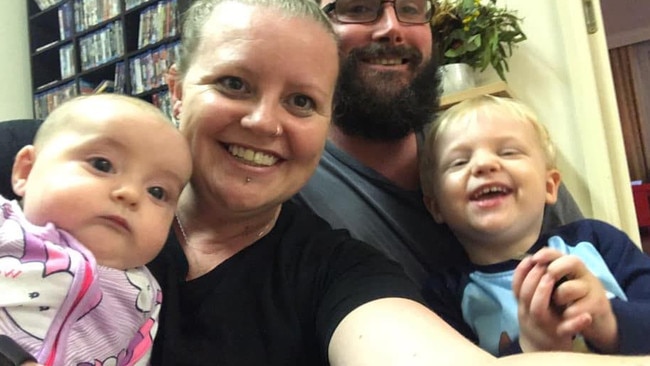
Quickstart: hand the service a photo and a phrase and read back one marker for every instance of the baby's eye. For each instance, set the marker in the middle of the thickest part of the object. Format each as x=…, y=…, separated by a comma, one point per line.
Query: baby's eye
x=101, y=164
x=157, y=193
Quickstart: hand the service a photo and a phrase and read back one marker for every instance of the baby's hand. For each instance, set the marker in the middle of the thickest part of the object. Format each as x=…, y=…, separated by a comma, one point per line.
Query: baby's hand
x=580, y=296
x=539, y=318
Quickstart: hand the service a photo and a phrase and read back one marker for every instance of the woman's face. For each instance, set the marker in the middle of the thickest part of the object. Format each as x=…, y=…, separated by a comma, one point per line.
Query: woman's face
x=255, y=105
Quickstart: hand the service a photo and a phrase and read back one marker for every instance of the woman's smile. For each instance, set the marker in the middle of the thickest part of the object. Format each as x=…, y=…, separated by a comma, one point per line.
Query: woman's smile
x=252, y=157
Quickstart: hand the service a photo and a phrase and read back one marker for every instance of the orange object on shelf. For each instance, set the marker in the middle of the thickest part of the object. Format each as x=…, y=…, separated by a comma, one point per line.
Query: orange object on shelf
x=641, y=194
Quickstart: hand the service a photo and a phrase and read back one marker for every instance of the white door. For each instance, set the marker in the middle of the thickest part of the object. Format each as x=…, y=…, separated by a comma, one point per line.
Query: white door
x=563, y=72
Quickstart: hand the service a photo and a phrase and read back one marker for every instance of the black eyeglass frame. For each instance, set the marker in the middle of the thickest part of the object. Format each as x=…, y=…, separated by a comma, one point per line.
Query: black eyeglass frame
x=330, y=8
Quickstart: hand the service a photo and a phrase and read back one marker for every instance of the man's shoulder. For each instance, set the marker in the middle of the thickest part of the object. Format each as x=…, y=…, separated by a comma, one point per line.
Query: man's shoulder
x=337, y=162
x=334, y=184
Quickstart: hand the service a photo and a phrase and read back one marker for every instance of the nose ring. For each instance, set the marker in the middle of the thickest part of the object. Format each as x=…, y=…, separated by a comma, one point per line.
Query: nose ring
x=278, y=131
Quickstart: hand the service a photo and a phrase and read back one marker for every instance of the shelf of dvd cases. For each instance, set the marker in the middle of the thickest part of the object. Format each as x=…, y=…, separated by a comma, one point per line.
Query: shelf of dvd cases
x=85, y=46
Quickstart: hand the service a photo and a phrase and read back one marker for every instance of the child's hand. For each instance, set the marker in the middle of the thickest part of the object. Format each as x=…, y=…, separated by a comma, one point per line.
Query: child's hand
x=581, y=296
x=539, y=319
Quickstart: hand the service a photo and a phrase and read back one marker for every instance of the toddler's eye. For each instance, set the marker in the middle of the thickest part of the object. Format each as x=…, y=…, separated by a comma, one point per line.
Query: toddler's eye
x=101, y=164
x=458, y=162
x=157, y=192
x=509, y=152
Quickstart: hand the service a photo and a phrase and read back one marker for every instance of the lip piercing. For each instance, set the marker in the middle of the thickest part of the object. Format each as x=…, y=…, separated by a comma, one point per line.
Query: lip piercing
x=277, y=131
x=248, y=179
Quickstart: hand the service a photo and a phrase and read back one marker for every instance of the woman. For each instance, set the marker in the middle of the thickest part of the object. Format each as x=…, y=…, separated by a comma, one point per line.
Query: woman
x=247, y=278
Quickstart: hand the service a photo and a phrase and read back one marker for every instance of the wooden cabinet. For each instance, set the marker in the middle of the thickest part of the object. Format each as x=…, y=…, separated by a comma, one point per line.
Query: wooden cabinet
x=83, y=46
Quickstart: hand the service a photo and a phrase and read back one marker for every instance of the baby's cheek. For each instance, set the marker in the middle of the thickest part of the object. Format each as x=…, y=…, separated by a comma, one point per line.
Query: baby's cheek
x=155, y=242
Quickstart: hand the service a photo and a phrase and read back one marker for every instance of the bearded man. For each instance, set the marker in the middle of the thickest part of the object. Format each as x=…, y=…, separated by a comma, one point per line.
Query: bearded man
x=388, y=93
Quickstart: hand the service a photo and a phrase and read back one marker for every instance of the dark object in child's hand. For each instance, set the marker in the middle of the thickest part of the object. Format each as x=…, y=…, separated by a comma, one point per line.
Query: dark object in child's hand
x=558, y=308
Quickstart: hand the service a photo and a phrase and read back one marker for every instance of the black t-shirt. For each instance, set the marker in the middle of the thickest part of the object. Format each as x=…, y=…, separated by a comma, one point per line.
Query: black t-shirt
x=276, y=302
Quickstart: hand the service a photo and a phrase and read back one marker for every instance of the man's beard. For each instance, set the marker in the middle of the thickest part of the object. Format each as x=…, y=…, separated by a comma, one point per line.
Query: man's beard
x=381, y=111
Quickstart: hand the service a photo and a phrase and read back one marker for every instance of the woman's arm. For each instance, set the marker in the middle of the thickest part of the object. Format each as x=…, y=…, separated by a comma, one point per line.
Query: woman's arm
x=395, y=331
x=571, y=359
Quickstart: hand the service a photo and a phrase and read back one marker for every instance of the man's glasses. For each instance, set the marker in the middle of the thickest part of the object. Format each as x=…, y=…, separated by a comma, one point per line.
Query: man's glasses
x=368, y=11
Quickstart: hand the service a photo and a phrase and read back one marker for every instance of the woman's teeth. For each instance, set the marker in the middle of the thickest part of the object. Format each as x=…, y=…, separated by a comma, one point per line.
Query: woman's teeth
x=252, y=156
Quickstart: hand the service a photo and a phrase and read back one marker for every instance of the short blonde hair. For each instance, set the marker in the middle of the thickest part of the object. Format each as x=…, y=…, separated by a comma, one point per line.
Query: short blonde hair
x=468, y=110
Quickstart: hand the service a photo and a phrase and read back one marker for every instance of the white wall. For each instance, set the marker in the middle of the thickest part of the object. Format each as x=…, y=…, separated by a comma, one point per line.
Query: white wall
x=564, y=74
x=15, y=72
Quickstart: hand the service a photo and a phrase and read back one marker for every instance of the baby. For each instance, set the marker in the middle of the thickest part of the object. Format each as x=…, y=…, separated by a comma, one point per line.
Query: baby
x=99, y=188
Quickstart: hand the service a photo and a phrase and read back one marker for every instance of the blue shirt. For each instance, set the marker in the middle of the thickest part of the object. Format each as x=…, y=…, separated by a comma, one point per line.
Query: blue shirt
x=484, y=302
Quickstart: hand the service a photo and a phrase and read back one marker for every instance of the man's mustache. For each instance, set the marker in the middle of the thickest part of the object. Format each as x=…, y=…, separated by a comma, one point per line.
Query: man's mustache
x=376, y=50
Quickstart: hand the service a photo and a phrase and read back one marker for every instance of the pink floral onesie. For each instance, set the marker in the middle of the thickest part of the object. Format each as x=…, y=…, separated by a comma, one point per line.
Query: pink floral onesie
x=62, y=307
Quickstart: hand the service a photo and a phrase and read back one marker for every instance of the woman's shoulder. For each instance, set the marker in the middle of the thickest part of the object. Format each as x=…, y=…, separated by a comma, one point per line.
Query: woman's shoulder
x=297, y=211
x=304, y=237
x=304, y=222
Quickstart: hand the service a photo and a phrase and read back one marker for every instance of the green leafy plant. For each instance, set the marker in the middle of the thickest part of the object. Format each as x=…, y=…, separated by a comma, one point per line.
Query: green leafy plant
x=478, y=33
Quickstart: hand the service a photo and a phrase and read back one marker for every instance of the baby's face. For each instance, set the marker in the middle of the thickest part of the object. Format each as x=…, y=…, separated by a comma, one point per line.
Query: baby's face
x=491, y=178
x=112, y=181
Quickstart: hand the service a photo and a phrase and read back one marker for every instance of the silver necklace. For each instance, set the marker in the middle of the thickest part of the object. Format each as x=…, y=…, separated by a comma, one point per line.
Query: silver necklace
x=180, y=226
